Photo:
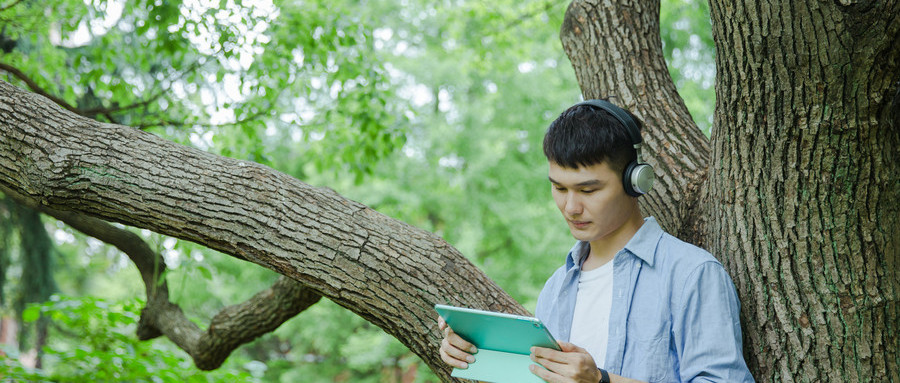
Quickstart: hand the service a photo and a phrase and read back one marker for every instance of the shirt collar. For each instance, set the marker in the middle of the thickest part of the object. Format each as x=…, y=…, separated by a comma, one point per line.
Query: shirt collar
x=642, y=245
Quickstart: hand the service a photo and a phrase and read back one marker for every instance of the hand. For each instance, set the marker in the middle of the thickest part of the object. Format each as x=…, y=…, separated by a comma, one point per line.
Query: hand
x=571, y=365
x=455, y=351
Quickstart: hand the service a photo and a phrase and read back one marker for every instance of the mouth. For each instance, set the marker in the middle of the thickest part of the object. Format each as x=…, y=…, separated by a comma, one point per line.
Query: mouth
x=579, y=224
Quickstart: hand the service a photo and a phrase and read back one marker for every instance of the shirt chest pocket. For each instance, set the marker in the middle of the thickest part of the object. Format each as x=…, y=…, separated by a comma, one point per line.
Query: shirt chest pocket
x=647, y=344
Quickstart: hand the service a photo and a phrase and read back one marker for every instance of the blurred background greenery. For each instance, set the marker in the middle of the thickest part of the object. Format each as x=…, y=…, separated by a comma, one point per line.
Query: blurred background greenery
x=431, y=112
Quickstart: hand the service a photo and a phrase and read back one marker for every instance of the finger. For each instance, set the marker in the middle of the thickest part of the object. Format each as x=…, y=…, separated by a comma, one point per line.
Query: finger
x=557, y=368
x=546, y=375
x=460, y=343
x=451, y=361
x=456, y=357
x=456, y=353
x=544, y=353
x=578, y=356
x=441, y=323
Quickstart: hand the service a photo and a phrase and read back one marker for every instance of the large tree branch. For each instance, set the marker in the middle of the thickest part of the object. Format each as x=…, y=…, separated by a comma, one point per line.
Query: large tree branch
x=384, y=270
x=230, y=328
x=602, y=38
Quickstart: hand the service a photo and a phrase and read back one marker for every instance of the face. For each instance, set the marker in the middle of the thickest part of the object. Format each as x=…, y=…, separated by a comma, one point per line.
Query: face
x=592, y=200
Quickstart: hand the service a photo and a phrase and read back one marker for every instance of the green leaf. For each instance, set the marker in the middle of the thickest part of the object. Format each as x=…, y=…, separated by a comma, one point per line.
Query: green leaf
x=205, y=272
x=32, y=313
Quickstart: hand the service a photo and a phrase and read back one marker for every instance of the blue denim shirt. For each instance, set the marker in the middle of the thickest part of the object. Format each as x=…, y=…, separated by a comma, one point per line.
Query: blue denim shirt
x=674, y=316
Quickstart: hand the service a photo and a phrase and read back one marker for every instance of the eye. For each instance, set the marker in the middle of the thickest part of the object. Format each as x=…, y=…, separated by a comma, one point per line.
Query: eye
x=559, y=188
x=588, y=191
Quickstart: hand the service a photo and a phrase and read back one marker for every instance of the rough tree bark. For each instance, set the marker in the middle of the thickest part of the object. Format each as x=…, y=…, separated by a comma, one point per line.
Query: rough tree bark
x=797, y=192
x=388, y=272
x=805, y=175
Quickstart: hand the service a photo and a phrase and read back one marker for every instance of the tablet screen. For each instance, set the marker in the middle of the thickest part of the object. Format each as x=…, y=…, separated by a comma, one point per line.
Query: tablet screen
x=497, y=331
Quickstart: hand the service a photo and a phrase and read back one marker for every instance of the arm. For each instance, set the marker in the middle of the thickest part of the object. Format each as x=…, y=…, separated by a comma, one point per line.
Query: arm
x=707, y=329
x=571, y=365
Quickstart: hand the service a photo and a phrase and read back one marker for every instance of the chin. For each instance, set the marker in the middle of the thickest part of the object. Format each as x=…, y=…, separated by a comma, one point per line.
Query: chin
x=581, y=236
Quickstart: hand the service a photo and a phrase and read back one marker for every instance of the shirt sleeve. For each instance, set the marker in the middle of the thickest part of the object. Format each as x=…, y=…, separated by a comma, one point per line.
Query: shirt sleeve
x=707, y=328
x=544, y=309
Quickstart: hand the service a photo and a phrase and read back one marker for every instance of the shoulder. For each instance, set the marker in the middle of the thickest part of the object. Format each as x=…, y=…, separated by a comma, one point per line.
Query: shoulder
x=680, y=256
x=687, y=265
x=692, y=270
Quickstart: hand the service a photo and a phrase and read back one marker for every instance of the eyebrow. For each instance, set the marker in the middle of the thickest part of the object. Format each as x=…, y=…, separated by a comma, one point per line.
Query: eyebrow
x=581, y=184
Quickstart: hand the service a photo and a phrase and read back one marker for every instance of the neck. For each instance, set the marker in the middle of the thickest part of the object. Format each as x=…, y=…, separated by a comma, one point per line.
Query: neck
x=604, y=249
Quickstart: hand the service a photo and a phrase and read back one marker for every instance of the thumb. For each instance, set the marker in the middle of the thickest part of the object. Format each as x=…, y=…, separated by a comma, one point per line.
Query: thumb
x=569, y=347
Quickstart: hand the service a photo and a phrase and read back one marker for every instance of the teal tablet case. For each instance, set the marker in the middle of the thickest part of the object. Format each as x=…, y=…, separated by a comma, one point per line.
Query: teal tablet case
x=504, y=343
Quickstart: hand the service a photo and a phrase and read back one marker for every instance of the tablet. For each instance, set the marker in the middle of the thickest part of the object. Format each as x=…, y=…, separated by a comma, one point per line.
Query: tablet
x=504, y=343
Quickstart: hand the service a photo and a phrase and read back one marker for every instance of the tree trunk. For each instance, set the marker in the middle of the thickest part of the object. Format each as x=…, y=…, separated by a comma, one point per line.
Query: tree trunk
x=388, y=272
x=804, y=184
x=801, y=200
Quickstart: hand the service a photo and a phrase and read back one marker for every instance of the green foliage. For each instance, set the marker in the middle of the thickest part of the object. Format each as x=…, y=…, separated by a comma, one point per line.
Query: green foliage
x=686, y=33
x=93, y=341
x=216, y=77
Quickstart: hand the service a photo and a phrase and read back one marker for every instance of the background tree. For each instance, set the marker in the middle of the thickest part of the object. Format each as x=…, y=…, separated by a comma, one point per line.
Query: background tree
x=800, y=176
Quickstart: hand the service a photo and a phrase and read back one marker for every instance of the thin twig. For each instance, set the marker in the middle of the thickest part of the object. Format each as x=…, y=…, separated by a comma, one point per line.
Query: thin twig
x=14, y=3
x=36, y=88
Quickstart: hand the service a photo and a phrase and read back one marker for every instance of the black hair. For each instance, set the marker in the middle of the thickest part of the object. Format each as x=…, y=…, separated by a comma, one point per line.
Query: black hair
x=584, y=136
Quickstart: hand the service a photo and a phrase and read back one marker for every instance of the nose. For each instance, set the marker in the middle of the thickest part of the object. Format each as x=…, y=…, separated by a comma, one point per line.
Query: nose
x=574, y=206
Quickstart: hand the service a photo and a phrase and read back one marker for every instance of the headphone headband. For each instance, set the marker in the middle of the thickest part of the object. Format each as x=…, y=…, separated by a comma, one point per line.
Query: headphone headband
x=638, y=176
x=620, y=114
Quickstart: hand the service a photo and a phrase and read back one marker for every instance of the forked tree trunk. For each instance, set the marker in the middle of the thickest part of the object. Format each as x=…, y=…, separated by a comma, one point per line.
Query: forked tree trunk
x=800, y=198
x=616, y=51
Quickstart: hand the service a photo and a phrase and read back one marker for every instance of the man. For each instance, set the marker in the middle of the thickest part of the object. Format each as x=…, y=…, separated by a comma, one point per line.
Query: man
x=632, y=303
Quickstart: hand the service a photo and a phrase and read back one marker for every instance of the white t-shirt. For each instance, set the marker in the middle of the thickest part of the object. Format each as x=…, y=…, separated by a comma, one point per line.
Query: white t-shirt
x=590, y=324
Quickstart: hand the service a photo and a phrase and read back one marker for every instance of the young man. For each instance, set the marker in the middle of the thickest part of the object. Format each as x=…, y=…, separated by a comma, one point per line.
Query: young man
x=632, y=303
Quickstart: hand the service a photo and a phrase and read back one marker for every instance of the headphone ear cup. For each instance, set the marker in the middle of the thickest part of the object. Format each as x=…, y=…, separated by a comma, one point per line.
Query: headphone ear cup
x=626, y=179
x=638, y=179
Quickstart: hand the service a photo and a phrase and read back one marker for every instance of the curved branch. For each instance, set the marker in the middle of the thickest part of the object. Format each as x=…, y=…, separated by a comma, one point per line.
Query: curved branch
x=229, y=329
x=603, y=37
x=232, y=327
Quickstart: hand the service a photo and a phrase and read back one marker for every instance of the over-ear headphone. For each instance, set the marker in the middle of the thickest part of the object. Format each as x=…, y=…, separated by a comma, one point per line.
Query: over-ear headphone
x=638, y=176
